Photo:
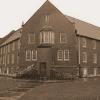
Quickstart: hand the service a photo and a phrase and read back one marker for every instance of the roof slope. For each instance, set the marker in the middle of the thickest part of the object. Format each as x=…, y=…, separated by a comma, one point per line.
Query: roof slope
x=12, y=36
x=7, y=36
x=85, y=29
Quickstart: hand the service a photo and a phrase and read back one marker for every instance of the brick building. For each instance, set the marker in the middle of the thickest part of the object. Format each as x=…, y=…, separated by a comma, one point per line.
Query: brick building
x=51, y=41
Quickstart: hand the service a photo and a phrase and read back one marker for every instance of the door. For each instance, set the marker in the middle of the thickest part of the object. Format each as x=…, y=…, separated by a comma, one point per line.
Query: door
x=42, y=69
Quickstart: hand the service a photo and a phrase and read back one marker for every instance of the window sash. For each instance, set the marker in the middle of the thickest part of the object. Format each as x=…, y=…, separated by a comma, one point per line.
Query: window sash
x=4, y=49
x=94, y=44
x=8, y=47
x=34, y=55
x=60, y=55
x=63, y=38
x=28, y=55
x=13, y=45
x=84, y=57
x=85, y=71
x=95, y=71
x=1, y=51
x=18, y=44
x=83, y=42
x=95, y=58
x=66, y=55
x=13, y=59
x=47, y=37
x=8, y=59
x=31, y=38
x=1, y=60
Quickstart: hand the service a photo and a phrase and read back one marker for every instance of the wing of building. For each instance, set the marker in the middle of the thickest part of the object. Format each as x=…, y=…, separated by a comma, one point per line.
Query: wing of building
x=51, y=45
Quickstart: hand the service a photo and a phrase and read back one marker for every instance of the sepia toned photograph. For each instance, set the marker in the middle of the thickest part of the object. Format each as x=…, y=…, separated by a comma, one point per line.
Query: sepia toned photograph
x=49, y=50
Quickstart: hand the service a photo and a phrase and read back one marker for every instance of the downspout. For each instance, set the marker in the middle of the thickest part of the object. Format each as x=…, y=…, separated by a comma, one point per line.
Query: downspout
x=79, y=56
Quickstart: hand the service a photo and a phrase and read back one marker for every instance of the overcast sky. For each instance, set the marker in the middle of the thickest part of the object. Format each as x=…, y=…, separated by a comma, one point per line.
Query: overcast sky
x=13, y=12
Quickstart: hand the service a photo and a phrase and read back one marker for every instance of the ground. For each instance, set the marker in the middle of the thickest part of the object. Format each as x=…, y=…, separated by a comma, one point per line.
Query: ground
x=17, y=89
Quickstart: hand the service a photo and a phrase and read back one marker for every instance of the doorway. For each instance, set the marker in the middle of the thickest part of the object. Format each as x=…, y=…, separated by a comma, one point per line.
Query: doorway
x=43, y=72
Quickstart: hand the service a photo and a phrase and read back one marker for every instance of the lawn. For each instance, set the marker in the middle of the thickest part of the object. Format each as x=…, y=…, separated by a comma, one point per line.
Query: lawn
x=55, y=90
x=69, y=90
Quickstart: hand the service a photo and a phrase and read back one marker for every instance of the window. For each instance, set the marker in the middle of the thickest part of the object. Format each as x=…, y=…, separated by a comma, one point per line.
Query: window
x=31, y=38
x=28, y=55
x=1, y=51
x=85, y=72
x=12, y=59
x=13, y=45
x=18, y=44
x=94, y=58
x=8, y=48
x=95, y=71
x=34, y=55
x=83, y=42
x=47, y=37
x=4, y=49
x=66, y=55
x=8, y=59
x=1, y=60
x=5, y=60
x=7, y=71
x=63, y=38
x=46, y=18
x=60, y=55
x=94, y=44
x=84, y=57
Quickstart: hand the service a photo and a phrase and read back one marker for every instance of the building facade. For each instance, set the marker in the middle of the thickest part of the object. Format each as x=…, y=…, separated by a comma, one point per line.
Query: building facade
x=50, y=41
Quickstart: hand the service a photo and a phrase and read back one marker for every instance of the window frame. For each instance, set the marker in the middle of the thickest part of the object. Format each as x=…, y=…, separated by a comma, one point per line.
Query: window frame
x=29, y=38
x=34, y=51
x=12, y=59
x=0, y=60
x=94, y=44
x=58, y=58
x=13, y=45
x=84, y=42
x=18, y=44
x=28, y=59
x=67, y=55
x=8, y=47
x=95, y=58
x=47, y=37
x=8, y=59
x=1, y=51
x=64, y=37
x=84, y=57
x=85, y=71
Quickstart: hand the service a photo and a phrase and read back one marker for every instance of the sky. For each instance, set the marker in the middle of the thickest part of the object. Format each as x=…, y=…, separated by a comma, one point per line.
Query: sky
x=13, y=12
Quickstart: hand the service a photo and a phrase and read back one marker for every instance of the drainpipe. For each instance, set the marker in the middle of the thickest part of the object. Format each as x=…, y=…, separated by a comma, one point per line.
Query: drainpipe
x=79, y=56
